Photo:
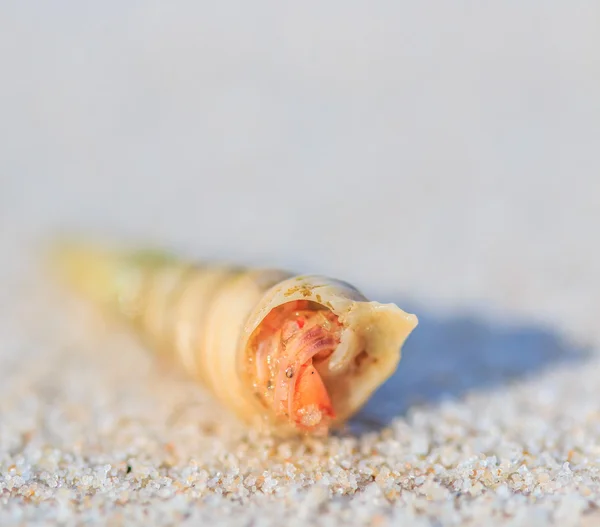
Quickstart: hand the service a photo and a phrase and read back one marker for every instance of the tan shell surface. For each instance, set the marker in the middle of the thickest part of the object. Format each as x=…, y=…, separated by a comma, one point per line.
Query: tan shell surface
x=203, y=317
x=224, y=328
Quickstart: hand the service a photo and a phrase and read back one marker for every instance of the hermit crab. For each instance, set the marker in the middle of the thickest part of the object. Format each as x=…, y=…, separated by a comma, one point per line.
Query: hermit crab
x=295, y=354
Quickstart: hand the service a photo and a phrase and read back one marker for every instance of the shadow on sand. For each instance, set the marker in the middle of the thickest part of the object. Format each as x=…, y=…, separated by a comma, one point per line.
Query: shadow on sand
x=446, y=358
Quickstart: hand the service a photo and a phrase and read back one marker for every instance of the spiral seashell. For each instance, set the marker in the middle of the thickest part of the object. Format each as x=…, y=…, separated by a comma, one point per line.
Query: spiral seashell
x=297, y=354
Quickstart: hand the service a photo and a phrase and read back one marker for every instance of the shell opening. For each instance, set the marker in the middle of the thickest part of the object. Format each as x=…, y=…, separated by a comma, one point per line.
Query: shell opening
x=288, y=363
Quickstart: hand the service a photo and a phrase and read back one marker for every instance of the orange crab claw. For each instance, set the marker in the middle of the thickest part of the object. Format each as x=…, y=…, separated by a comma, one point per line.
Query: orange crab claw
x=311, y=403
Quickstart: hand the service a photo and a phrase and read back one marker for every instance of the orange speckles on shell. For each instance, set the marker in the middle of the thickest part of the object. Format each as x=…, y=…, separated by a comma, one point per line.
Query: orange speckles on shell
x=305, y=290
x=292, y=290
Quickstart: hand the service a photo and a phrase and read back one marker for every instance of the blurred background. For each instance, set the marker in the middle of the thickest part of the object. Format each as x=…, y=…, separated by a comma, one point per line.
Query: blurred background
x=447, y=152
